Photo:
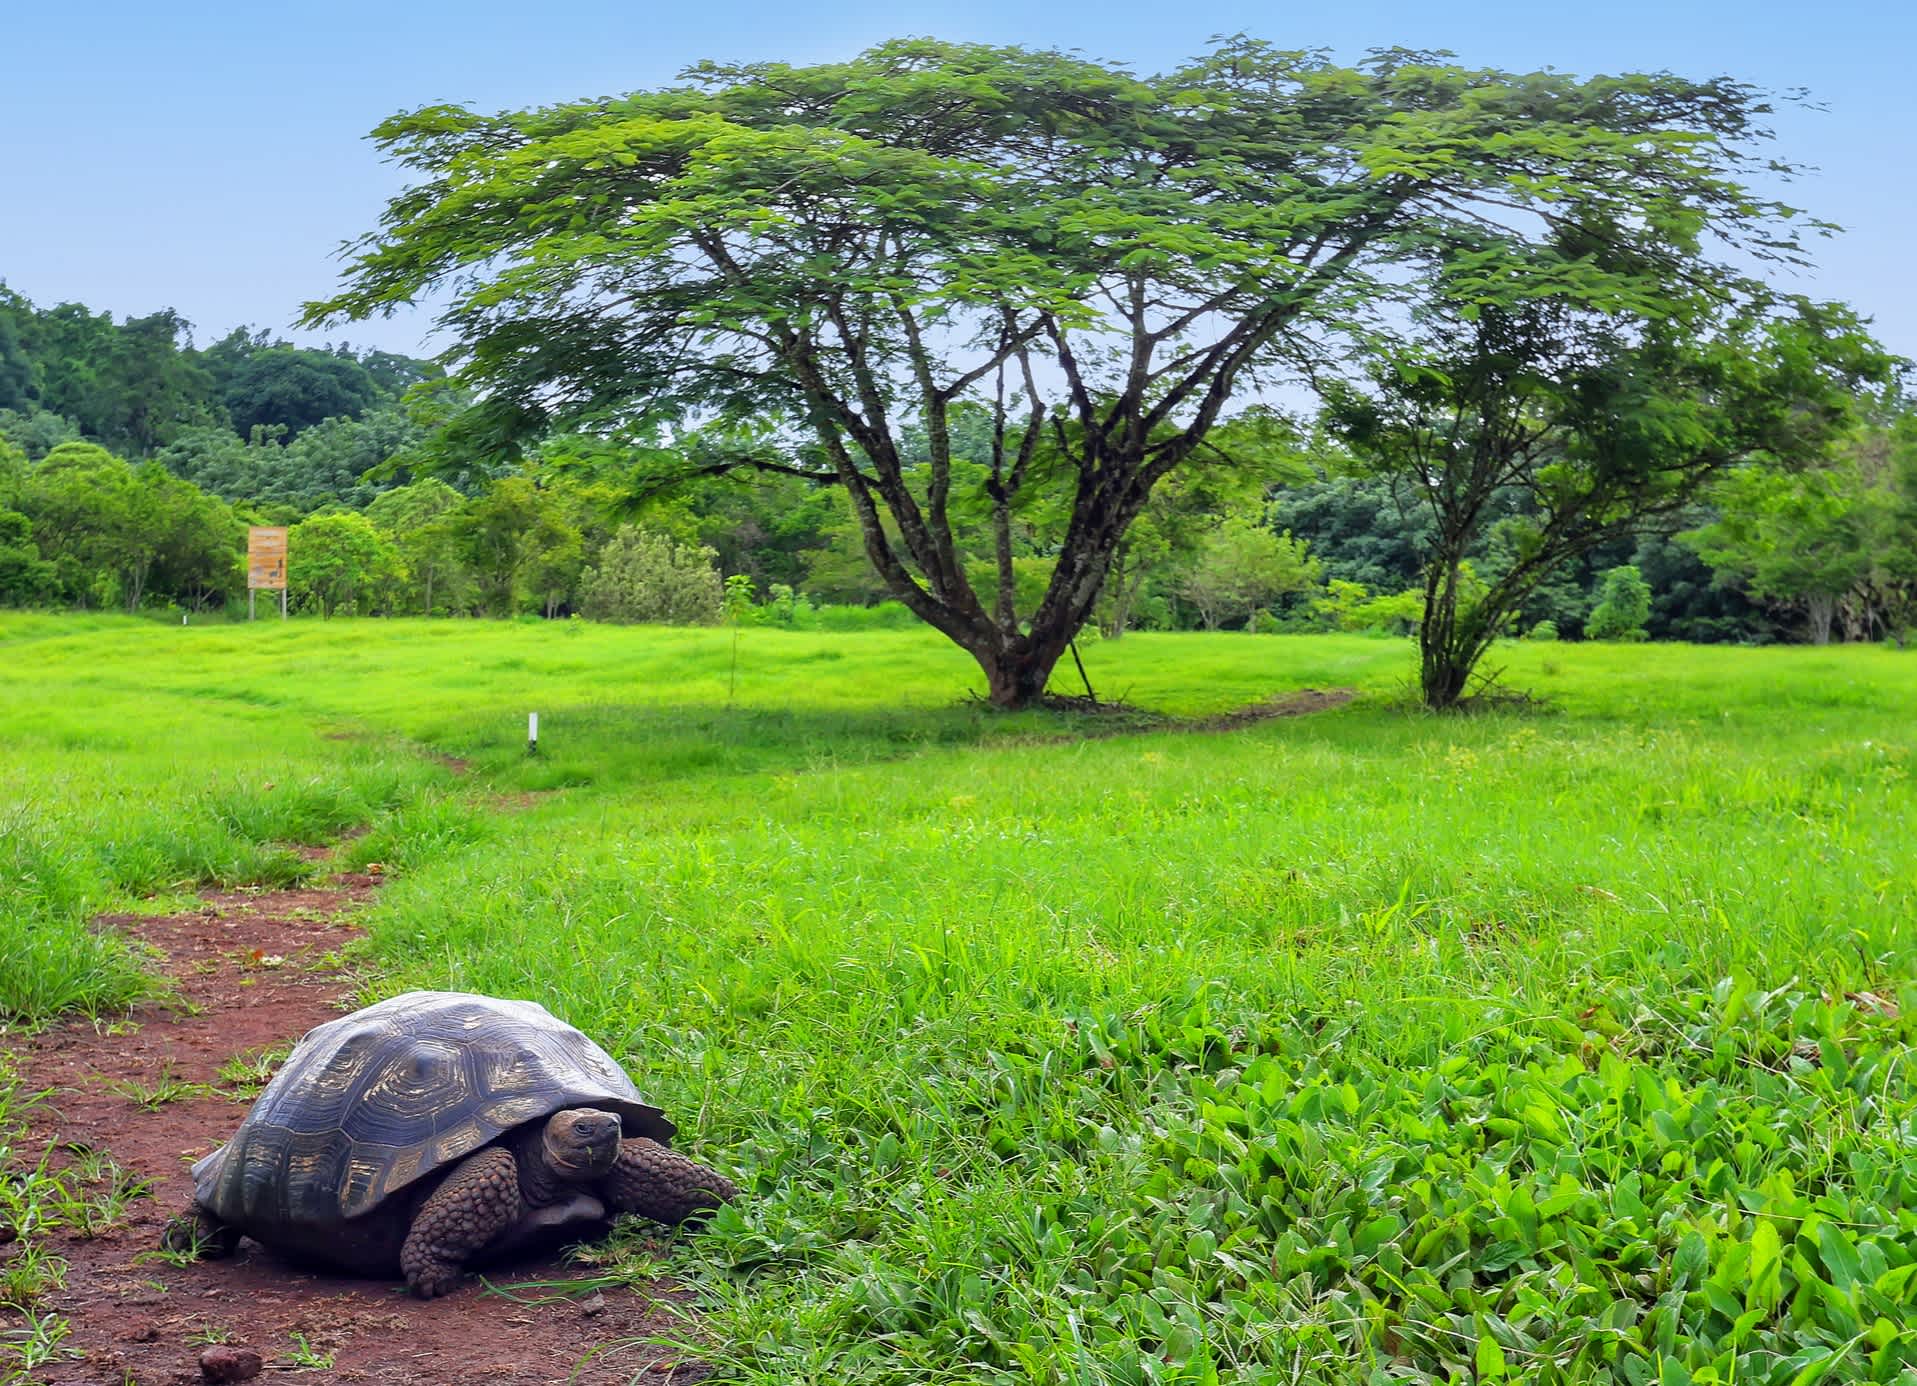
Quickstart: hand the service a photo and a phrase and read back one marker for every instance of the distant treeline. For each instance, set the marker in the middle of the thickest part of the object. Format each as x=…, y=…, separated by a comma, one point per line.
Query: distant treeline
x=131, y=463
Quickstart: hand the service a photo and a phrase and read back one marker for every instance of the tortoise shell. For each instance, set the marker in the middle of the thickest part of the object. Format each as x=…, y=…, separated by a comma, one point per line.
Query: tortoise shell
x=368, y=1106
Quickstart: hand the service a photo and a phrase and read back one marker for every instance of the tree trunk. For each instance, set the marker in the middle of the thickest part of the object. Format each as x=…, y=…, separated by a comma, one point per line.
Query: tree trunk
x=135, y=587
x=1125, y=596
x=1014, y=682
x=1821, y=611
x=1449, y=641
x=1444, y=673
x=1016, y=677
x=1858, y=614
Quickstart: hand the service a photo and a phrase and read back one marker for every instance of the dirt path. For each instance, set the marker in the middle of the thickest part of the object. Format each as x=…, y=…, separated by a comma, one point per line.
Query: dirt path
x=1109, y=719
x=258, y=969
x=1299, y=704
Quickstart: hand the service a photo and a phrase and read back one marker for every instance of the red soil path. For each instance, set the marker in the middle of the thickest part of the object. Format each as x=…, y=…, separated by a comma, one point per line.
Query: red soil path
x=258, y=969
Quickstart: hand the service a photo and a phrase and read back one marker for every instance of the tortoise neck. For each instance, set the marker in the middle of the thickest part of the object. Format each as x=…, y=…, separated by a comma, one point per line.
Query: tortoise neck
x=540, y=1182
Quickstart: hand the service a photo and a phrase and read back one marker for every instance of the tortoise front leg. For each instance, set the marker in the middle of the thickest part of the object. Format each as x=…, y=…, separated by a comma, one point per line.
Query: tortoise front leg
x=198, y=1233
x=478, y=1201
x=662, y=1184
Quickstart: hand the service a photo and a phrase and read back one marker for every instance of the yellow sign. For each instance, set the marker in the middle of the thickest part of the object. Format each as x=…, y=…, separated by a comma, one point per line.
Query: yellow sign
x=266, y=557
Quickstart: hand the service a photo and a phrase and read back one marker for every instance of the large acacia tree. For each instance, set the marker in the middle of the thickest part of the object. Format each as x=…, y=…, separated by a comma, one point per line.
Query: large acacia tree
x=845, y=255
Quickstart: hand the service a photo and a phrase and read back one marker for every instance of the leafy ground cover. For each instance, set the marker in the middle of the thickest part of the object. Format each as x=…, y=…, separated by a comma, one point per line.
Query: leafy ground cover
x=1567, y=1046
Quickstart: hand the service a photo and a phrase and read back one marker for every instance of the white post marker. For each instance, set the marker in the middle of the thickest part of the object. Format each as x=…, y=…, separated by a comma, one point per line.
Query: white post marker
x=532, y=733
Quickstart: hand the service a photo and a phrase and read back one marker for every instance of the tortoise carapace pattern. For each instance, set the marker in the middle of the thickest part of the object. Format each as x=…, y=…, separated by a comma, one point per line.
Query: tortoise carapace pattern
x=429, y=1109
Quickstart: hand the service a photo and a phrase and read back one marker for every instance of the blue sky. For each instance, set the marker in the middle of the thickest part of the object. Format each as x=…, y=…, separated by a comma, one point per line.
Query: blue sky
x=211, y=156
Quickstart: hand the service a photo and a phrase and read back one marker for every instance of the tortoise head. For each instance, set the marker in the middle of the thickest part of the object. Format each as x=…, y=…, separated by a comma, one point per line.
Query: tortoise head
x=582, y=1143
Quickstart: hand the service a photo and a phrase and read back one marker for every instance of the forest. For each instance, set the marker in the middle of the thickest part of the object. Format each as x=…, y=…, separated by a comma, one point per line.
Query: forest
x=131, y=463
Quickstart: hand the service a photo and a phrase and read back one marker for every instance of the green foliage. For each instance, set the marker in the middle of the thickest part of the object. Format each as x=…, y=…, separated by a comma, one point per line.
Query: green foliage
x=1543, y=630
x=342, y=565
x=113, y=533
x=1623, y=606
x=25, y=578
x=328, y=464
x=1242, y=566
x=647, y=577
x=139, y=387
x=36, y=432
x=421, y=520
x=1339, y=604
x=785, y=607
x=295, y=389
x=1398, y=614
x=1359, y=528
x=837, y=570
x=868, y=273
x=1348, y=606
x=1031, y=575
x=131, y=387
x=520, y=546
x=1837, y=542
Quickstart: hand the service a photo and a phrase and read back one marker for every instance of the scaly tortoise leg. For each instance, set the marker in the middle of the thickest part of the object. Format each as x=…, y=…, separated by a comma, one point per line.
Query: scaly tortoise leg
x=478, y=1201
x=198, y=1233
x=662, y=1184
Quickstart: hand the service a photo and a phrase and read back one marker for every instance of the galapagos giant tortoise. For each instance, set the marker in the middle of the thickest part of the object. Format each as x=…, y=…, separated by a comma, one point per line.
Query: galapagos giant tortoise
x=419, y=1133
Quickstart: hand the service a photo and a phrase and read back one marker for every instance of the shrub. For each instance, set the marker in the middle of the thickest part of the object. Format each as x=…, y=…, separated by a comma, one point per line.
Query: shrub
x=642, y=576
x=884, y=616
x=341, y=565
x=1624, y=605
x=785, y=607
x=1543, y=630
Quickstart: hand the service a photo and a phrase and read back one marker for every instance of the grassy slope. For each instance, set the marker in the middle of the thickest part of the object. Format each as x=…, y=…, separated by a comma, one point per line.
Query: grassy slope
x=1352, y=1044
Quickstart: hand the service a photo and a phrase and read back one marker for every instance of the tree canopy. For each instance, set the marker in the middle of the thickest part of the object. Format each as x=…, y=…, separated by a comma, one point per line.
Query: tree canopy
x=140, y=385
x=818, y=268
x=1562, y=421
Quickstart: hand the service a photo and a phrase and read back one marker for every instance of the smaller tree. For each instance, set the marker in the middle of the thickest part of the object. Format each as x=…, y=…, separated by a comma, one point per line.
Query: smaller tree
x=25, y=577
x=518, y=543
x=1796, y=541
x=420, y=520
x=1243, y=566
x=340, y=564
x=1530, y=399
x=1624, y=605
x=647, y=577
x=555, y=561
x=85, y=505
x=196, y=541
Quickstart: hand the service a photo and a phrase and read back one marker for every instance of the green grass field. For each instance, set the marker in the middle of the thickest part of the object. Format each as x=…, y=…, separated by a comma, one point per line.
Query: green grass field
x=1358, y=1046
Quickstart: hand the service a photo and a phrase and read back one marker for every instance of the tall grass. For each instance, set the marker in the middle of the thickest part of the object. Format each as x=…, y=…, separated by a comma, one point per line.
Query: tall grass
x=1185, y=1058
x=115, y=787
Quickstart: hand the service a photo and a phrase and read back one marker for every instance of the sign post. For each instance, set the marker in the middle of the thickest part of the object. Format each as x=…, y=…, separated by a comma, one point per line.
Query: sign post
x=265, y=564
